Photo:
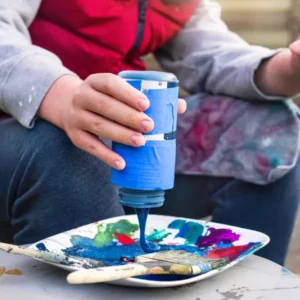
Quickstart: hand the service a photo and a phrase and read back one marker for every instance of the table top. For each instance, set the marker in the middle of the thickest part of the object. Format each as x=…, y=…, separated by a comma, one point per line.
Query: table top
x=254, y=278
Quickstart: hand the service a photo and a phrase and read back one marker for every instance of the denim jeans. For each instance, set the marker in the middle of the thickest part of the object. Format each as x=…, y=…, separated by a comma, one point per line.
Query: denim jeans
x=48, y=186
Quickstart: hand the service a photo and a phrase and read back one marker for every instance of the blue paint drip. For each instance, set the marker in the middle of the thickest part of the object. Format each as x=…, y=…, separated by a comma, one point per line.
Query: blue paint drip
x=142, y=214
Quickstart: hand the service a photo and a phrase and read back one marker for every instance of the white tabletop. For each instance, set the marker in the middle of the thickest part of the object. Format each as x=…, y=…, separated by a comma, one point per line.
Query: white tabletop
x=255, y=278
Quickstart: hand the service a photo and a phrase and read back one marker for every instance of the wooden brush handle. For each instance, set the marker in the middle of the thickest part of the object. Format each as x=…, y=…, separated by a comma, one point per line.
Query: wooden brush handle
x=125, y=271
x=106, y=274
x=13, y=249
x=58, y=258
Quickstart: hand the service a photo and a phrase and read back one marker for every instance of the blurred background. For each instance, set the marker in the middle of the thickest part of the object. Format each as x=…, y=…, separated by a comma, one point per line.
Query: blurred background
x=269, y=23
x=274, y=24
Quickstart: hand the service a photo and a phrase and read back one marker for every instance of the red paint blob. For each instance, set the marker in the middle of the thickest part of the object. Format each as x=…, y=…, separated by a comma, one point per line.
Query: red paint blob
x=231, y=253
x=124, y=239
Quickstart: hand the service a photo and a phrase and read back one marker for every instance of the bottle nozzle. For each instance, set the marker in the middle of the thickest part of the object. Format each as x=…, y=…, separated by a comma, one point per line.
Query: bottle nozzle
x=141, y=199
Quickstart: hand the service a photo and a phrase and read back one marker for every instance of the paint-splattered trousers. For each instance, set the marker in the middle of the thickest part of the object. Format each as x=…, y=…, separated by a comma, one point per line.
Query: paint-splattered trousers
x=48, y=186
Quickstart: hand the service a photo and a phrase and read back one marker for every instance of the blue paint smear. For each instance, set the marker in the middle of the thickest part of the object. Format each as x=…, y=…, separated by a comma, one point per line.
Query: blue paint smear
x=142, y=214
x=83, y=241
x=224, y=246
x=122, y=254
x=118, y=255
x=252, y=248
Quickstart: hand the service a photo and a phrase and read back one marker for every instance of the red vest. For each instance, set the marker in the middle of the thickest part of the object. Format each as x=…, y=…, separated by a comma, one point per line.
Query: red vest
x=97, y=36
x=94, y=36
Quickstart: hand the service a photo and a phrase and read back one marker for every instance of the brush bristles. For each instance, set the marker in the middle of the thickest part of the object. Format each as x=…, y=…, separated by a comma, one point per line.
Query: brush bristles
x=183, y=257
x=218, y=263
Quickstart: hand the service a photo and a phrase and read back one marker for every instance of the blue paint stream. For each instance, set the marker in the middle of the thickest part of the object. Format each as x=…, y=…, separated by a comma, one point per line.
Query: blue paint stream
x=142, y=214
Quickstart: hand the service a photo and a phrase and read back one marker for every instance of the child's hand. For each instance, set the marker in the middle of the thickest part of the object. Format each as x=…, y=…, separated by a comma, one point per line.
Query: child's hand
x=280, y=75
x=104, y=105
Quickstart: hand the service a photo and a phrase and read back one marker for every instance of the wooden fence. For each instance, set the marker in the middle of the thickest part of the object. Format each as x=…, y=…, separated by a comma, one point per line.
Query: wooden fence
x=271, y=23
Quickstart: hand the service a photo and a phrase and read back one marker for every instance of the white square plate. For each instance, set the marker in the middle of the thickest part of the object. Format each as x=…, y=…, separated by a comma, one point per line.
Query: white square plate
x=216, y=241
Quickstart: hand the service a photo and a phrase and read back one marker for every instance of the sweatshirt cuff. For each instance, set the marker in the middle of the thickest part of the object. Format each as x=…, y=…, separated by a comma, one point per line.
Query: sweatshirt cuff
x=252, y=91
x=28, y=83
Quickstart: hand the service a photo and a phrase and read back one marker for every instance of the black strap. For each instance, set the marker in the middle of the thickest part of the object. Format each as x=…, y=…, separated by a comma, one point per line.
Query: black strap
x=141, y=25
x=170, y=136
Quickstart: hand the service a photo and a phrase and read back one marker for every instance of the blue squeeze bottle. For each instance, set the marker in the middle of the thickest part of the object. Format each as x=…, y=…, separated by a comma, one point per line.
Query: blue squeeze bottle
x=150, y=169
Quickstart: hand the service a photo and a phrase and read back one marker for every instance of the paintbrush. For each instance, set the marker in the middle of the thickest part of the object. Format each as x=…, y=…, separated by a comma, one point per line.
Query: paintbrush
x=177, y=262
x=58, y=258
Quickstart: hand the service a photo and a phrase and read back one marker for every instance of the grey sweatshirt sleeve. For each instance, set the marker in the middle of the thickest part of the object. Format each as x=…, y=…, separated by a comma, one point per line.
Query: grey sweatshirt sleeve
x=26, y=71
x=207, y=57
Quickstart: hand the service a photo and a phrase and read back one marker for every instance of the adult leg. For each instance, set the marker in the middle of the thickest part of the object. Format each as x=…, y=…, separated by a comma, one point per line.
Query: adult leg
x=220, y=136
x=47, y=185
x=271, y=209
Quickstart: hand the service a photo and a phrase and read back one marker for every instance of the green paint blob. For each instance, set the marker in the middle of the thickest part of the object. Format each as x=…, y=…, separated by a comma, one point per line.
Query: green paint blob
x=276, y=107
x=122, y=227
x=191, y=231
x=158, y=235
x=105, y=235
x=103, y=239
x=177, y=224
x=274, y=162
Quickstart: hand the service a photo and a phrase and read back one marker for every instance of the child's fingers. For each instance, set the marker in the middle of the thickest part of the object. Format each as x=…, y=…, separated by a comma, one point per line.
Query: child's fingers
x=91, y=144
x=295, y=48
x=109, y=130
x=181, y=106
x=119, y=89
x=114, y=110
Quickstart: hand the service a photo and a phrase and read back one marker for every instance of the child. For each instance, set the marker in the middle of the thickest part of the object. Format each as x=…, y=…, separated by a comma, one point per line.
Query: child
x=237, y=153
